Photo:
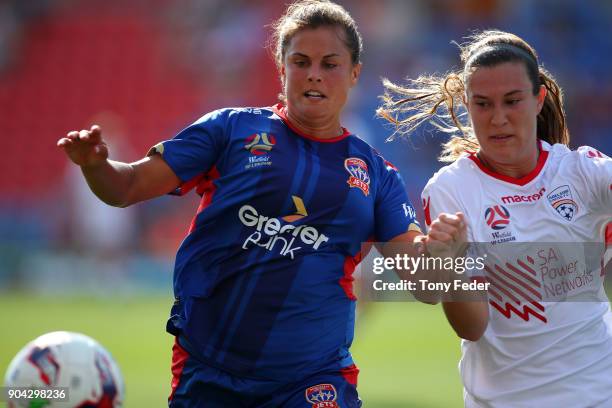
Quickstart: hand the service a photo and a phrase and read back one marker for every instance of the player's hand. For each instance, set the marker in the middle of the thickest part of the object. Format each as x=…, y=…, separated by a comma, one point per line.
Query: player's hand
x=447, y=235
x=85, y=148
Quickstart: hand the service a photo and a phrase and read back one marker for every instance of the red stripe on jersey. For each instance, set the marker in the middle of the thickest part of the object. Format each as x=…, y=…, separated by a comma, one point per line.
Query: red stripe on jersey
x=179, y=357
x=520, y=283
x=526, y=267
x=389, y=164
x=350, y=263
x=427, y=211
x=206, y=188
x=494, y=293
x=350, y=374
x=347, y=280
x=524, y=275
x=281, y=111
x=497, y=282
x=524, y=314
x=479, y=279
x=607, y=247
x=189, y=185
x=519, y=181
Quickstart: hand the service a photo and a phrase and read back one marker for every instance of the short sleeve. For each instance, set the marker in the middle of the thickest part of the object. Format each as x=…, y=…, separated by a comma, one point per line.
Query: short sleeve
x=394, y=214
x=194, y=151
x=597, y=171
x=437, y=200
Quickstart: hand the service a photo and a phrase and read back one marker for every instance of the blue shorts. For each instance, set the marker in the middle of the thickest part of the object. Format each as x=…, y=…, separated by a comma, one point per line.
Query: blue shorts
x=197, y=385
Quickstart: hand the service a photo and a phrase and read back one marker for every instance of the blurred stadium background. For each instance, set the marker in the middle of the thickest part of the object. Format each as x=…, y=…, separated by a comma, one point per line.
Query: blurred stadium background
x=143, y=69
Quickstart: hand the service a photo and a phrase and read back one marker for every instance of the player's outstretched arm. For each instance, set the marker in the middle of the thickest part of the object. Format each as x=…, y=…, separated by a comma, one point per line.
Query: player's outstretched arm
x=116, y=183
x=448, y=237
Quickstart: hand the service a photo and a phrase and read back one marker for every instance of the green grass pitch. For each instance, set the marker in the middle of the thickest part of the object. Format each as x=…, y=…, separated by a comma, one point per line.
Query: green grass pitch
x=407, y=352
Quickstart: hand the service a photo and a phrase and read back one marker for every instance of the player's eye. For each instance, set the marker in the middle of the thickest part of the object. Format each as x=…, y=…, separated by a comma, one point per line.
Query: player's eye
x=513, y=101
x=330, y=65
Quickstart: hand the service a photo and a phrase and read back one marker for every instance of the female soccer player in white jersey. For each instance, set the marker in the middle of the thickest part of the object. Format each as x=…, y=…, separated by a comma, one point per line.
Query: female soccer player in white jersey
x=514, y=177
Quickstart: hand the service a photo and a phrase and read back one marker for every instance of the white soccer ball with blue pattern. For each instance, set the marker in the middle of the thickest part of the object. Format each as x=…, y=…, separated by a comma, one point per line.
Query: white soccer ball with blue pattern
x=65, y=360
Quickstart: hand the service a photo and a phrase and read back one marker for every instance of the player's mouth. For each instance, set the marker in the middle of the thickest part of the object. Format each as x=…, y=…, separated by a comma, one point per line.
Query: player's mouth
x=314, y=95
x=501, y=137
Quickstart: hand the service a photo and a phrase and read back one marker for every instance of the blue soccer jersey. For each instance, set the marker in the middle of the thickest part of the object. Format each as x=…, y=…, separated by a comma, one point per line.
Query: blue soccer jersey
x=263, y=279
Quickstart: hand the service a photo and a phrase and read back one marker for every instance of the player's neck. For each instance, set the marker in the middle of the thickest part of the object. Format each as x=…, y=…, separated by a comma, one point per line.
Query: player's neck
x=517, y=169
x=320, y=128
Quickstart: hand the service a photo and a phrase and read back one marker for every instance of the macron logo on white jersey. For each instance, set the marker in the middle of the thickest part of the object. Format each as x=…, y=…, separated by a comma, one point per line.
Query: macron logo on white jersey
x=270, y=231
x=532, y=198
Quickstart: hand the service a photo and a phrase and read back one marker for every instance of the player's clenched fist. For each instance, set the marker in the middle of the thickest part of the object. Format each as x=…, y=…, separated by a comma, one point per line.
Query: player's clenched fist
x=447, y=235
x=85, y=148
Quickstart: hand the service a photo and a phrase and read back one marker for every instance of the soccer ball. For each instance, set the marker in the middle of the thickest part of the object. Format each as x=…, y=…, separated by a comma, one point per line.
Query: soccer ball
x=71, y=360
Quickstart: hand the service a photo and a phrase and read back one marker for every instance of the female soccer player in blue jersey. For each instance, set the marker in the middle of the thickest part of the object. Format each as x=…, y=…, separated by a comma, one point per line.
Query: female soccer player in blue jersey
x=264, y=311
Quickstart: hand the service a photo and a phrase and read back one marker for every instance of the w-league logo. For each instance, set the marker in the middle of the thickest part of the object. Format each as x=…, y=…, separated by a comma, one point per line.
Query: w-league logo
x=260, y=143
x=497, y=217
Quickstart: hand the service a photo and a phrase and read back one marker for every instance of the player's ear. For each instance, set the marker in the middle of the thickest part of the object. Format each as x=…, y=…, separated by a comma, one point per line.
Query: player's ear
x=355, y=72
x=541, y=97
x=282, y=73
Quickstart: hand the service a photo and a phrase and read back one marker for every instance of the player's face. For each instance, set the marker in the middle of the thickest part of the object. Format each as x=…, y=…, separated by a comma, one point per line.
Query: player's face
x=503, y=111
x=318, y=73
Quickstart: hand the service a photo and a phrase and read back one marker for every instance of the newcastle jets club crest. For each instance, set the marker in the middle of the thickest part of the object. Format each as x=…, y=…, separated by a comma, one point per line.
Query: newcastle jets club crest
x=358, y=171
x=322, y=396
x=562, y=201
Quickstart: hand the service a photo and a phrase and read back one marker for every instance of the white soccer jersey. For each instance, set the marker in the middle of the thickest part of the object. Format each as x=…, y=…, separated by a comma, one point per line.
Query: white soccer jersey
x=539, y=349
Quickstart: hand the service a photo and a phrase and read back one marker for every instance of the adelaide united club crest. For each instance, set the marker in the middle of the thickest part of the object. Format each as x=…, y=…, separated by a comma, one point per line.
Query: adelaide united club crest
x=562, y=201
x=359, y=177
